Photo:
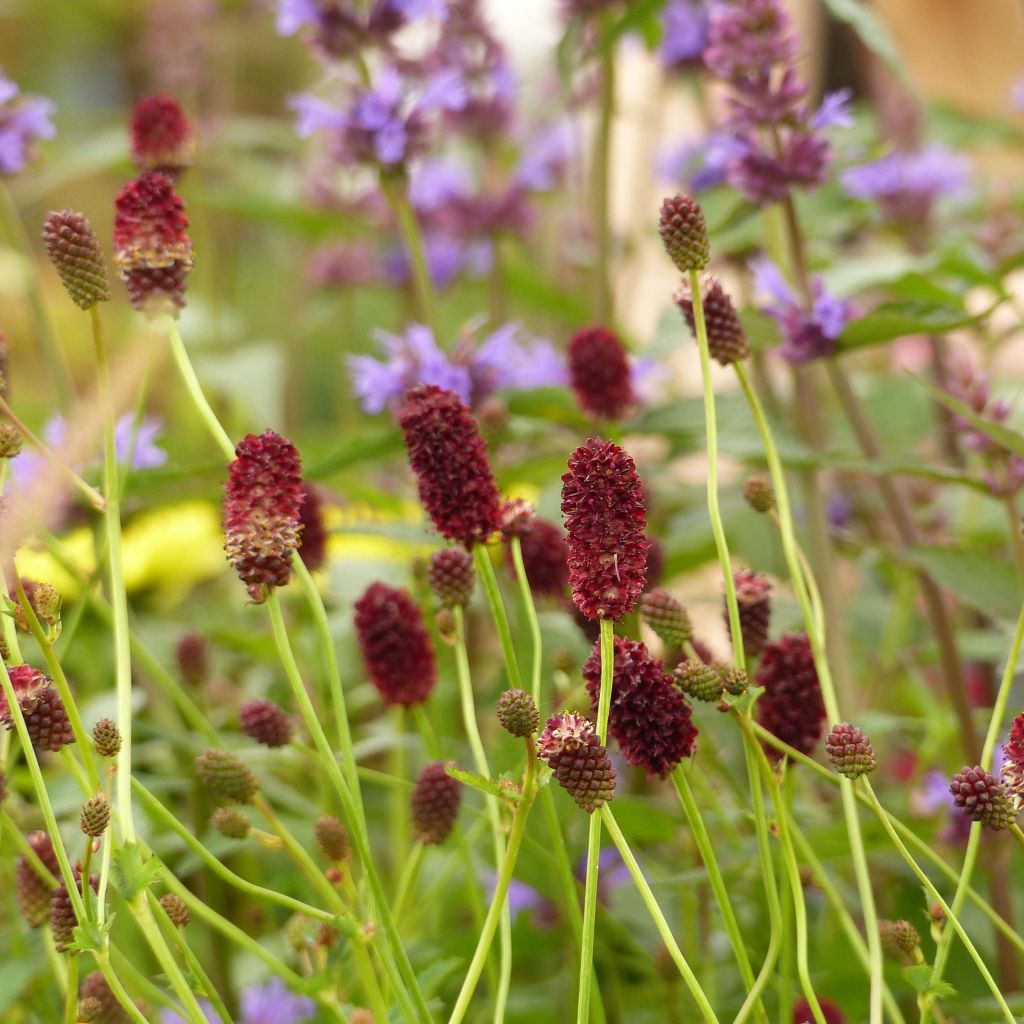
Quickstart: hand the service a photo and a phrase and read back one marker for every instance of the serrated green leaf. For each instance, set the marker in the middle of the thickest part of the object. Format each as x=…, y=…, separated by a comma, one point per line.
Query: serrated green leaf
x=130, y=873
x=480, y=782
x=920, y=976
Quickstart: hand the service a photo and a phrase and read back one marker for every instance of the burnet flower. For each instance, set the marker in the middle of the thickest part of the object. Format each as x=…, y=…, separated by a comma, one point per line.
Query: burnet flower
x=436, y=798
x=545, y=558
x=161, y=136
x=581, y=765
x=600, y=373
x=792, y=707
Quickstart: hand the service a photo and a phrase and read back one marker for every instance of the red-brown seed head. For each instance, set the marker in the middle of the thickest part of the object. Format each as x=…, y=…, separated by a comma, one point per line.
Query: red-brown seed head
x=603, y=507
x=162, y=137
x=792, y=707
x=600, y=373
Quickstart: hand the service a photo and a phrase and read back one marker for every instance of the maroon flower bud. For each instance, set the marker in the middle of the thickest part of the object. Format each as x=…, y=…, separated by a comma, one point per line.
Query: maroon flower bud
x=518, y=713
x=225, y=774
x=313, y=538
x=44, y=600
x=1013, y=766
x=649, y=718
x=545, y=559
x=332, y=837
x=757, y=490
x=107, y=738
x=850, y=751
x=395, y=645
x=73, y=248
x=193, y=657
x=435, y=804
x=982, y=798
x=603, y=507
x=63, y=920
x=262, y=501
x=517, y=516
x=899, y=939
x=803, y=1014
x=95, y=815
x=580, y=763
x=175, y=908
x=448, y=456
x=161, y=136
x=699, y=681
x=755, y=607
x=151, y=243
x=46, y=718
x=667, y=617
x=600, y=373
x=792, y=707
x=265, y=722
x=34, y=892
x=727, y=340
x=451, y=578
x=684, y=233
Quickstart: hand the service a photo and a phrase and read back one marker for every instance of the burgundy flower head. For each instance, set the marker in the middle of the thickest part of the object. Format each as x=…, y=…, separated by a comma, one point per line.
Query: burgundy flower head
x=448, y=456
x=649, y=718
x=581, y=765
x=151, y=245
x=1013, y=766
x=262, y=504
x=161, y=136
x=46, y=718
x=435, y=804
x=32, y=891
x=545, y=558
x=395, y=645
x=792, y=707
x=313, y=540
x=727, y=339
x=753, y=597
x=603, y=507
x=600, y=373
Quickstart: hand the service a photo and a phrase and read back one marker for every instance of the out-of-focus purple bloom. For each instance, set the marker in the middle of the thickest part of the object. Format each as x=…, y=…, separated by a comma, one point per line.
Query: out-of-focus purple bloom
x=274, y=1004
x=521, y=897
x=344, y=265
x=1017, y=95
x=834, y=111
x=839, y=511
x=447, y=256
x=170, y=1017
x=747, y=37
x=438, y=182
x=934, y=796
x=545, y=157
x=293, y=15
x=700, y=164
x=907, y=185
x=684, y=33
x=139, y=445
x=314, y=115
x=418, y=10
x=24, y=120
x=806, y=334
x=503, y=360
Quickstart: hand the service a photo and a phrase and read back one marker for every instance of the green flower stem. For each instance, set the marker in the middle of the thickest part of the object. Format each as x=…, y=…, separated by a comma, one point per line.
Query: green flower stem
x=601, y=181
x=409, y=986
x=139, y=982
x=407, y=883
x=1017, y=834
x=644, y=889
x=951, y=918
x=903, y=830
x=970, y=856
x=118, y=594
x=476, y=746
x=526, y=594
x=192, y=385
x=846, y=922
x=88, y=492
x=813, y=621
x=399, y=811
x=714, y=512
x=521, y=813
x=173, y=936
x=8, y=629
x=423, y=285
x=485, y=573
x=604, y=704
x=718, y=887
x=60, y=679
x=71, y=995
x=124, y=1000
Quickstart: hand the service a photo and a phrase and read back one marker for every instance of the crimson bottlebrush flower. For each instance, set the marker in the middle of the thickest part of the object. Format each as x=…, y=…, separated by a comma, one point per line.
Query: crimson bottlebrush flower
x=151, y=245
x=600, y=373
x=313, y=539
x=649, y=717
x=755, y=607
x=46, y=718
x=727, y=339
x=581, y=765
x=193, y=656
x=63, y=920
x=545, y=558
x=265, y=722
x=792, y=707
x=34, y=892
x=162, y=137
x=73, y=248
x=982, y=798
x=395, y=645
x=450, y=575
x=849, y=750
x=262, y=505
x=517, y=516
x=603, y=507
x=1013, y=766
x=684, y=233
x=449, y=458
x=435, y=804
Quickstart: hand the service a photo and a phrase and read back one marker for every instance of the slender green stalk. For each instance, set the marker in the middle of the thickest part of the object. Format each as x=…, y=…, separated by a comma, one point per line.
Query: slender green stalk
x=718, y=887
x=644, y=889
x=118, y=594
x=476, y=746
x=71, y=996
x=423, y=285
x=934, y=893
x=399, y=810
x=485, y=573
x=408, y=983
x=601, y=184
x=407, y=883
x=526, y=594
x=124, y=1000
x=594, y=835
x=813, y=621
x=500, y=897
x=970, y=856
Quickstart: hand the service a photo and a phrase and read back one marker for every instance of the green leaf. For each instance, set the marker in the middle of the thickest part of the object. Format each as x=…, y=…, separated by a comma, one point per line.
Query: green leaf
x=130, y=873
x=985, y=583
x=920, y=976
x=481, y=782
x=899, y=319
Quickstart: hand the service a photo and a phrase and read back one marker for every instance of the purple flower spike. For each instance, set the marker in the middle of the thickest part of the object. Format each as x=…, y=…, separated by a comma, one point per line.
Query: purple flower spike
x=274, y=1004
x=24, y=120
x=684, y=33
